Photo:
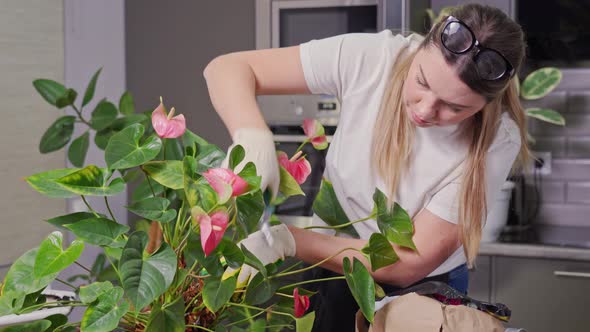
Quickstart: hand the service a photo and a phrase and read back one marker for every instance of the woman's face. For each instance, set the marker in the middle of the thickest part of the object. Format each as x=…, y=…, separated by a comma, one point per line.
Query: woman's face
x=434, y=95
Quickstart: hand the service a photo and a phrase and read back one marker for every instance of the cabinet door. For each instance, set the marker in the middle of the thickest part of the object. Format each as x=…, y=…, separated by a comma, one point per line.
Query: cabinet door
x=504, y=5
x=479, y=279
x=544, y=295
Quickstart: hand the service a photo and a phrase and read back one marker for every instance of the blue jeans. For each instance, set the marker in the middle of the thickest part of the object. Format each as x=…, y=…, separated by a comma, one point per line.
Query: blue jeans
x=459, y=278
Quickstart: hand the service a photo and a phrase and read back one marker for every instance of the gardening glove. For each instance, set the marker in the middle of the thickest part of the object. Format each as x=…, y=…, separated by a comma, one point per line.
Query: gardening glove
x=260, y=149
x=282, y=246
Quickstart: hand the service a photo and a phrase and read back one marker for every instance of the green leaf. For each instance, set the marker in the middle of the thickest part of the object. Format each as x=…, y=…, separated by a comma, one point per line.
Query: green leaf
x=58, y=134
x=252, y=260
x=126, y=104
x=125, y=151
x=144, y=190
x=145, y=277
x=102, y=137
x=168, y=173
x=250, y=209
x=260, y=289
x=194, y=252
x=236, y=156
x=56, y=320
x=190, y=177
x=327, y=207
x=51, y=257
x=97, y=231
x=90, y=293
x=248, y=173
x=66, y=99
x=20, y=276
x=233, y=255
x=104, y=314
x=45, y=183
x=50, y=90
x=78, y=149
x=305, y=323
x=379, y=252
x=394, y=223
x=91, y=181
x=71, y=218
x=169, y=318
x=288, y=186
x=38, y=326
x=540, y=82
x=11, y=302
x=153, y=208
x=217, y=292
x=89, y=94
x=208, y=155
x=546, y=115
x=361, y=286
x=103, y=115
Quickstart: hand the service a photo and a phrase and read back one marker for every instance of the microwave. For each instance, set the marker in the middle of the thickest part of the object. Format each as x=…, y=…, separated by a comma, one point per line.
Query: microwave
x=283, y=23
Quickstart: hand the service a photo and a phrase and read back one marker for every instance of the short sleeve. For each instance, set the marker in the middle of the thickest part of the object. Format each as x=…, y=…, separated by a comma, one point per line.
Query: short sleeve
x=500, y=159
x=338, y=65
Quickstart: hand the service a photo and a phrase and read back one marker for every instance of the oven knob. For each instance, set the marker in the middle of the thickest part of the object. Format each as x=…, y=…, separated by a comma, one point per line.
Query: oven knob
x=298, y=110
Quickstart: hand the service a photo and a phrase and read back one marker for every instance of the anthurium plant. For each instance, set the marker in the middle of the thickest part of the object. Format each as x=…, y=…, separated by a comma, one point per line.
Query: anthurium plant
x=203, y=211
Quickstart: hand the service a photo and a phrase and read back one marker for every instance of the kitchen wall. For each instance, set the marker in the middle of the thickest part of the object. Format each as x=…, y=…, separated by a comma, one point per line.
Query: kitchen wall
x=32, y=44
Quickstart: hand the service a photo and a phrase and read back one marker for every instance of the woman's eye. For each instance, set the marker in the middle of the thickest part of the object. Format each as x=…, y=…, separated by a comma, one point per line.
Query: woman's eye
x=420, y=82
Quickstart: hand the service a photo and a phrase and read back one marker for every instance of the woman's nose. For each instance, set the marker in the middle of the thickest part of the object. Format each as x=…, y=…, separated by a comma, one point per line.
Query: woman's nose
x=426, y=110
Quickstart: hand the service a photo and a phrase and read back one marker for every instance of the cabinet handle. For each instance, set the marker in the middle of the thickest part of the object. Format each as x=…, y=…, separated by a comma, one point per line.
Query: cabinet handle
x=571, y=274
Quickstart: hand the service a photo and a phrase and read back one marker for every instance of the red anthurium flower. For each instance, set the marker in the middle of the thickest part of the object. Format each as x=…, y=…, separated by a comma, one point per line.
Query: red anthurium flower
x=226, y=183
x=212, y=227
x=301, y=303
x=297, y=166
x=167, y=126
x=314, y=131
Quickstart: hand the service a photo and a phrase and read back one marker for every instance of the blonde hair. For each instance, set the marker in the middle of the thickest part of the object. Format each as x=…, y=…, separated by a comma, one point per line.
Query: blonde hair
x=392, y=138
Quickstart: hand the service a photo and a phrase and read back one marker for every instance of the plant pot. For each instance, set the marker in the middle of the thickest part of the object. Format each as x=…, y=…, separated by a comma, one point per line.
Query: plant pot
x=498, y=216
x=39, y=314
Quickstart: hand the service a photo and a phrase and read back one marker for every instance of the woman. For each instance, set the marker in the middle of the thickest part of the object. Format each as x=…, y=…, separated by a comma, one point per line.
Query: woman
x=433, y=122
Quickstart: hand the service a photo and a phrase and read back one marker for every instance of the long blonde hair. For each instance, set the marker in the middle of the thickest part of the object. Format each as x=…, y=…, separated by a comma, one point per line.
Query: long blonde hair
x=392, y=138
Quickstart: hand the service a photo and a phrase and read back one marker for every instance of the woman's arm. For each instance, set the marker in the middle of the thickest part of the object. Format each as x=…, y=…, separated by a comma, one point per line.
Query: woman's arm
x=435, y=238
x=235, y=79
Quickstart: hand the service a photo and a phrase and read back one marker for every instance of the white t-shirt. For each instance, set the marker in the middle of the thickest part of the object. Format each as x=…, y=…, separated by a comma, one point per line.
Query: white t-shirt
x=355, y=68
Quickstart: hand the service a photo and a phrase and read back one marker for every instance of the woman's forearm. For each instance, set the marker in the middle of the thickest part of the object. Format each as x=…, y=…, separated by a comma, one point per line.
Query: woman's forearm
x=232, y=89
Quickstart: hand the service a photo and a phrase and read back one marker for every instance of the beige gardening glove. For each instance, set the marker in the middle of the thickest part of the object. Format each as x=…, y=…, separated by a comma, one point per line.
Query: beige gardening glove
x=283, y=246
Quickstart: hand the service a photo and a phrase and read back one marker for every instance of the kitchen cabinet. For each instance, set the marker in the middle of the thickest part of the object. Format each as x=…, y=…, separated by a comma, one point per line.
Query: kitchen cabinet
x=505, y=5
x=543, y=294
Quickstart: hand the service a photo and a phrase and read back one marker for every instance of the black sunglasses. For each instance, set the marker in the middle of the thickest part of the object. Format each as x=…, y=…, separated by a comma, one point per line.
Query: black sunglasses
x=458, y=38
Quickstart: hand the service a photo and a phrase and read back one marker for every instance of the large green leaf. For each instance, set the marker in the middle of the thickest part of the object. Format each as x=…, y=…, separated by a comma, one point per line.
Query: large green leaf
x=190, y=177
x=327, y=207
x=97, y=231
x=217, y=292
x=38, y=326
x=104, y=314
x=252, y=260
x=144, y=190
x=57, y=320
x=102, y=137
x=90, y=293
x=89, y=94
x=546, y=115
x=66, y=99
x=260, y=289
x=125, y=150
x=250, y=209
x=305, y=323
x=45, y=183
x=78, y=149
x=58, y=134
x=52, y=258
x=126, y=104
x=103, y=115
x=91, y=181
x=394, y=223
x=194, y=253
x=168, y=173
x=289, y=186
x=145, y=277
x=11, y=302
x=361, y=286
x=248, y=173
x=153, y=208
x=169, y=318
x=540, y=82
x=233, y=255
x=379, y=252
x=236, y=156
x=20, y=276
x=208, y=155
x=71, y=218
x=50, y=90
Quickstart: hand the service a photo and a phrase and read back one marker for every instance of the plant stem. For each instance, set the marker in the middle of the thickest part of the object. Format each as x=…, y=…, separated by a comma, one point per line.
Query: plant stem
x=284, y=295
x=262, y=309
x=79, y=112
x=302, y=145
x=246, y=319
x=148, y=181
x=310, y=281
x=89, y=207
x=343, y=225
x=200, y=327
x=56, y=304
x=163, y=149
x=106, y=201
x=82, y=266
x=312, y=266
x=114, y=268
x=62, y=327
x=66, y=283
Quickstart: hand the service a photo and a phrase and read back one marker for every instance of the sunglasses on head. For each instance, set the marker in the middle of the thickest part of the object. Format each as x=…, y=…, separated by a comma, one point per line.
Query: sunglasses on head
x=458, y=38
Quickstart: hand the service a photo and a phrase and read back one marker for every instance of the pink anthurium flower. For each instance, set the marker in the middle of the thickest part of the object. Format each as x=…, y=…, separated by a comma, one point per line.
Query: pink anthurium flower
x=226, y=183
x=167, y=126
x=301, y=303
x=212, y=227
x=314, y=131
x=297, y=166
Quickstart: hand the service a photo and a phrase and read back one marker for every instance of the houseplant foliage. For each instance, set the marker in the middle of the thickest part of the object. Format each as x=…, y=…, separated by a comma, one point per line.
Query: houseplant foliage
x=203, y=211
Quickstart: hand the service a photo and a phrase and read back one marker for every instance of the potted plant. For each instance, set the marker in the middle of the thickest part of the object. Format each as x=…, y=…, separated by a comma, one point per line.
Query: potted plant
x=203, y=211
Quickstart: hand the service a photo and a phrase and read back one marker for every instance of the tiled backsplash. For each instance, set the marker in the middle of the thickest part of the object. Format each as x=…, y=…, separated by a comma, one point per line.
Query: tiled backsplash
x=566, y=191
